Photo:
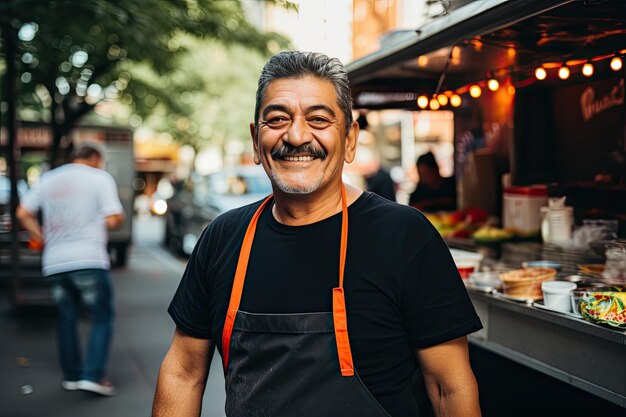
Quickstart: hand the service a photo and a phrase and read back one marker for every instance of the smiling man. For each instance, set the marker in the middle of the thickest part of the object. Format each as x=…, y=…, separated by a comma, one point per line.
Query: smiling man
x=323, y=300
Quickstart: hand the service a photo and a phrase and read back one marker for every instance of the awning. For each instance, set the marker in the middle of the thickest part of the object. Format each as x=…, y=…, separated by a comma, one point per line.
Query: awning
x=489, y=36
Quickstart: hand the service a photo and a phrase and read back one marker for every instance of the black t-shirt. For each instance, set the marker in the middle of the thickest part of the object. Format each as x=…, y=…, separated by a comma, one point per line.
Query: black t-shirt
x=402, y=288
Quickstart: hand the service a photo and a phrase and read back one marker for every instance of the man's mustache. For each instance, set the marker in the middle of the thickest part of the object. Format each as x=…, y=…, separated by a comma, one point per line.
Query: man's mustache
x=289, y=150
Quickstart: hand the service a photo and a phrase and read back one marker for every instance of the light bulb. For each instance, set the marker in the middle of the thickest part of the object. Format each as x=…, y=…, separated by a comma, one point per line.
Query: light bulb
x=422, y=102
x=455, y=100
x=616, y=63
x=475, y=91
x=493, y=84
x=588, y=69
x=540, y=73
x=434, y=104
x=442, y=99
x=564, y=73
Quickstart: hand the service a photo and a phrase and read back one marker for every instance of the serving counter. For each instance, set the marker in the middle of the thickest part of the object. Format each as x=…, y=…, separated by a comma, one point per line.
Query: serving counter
x=580, y=353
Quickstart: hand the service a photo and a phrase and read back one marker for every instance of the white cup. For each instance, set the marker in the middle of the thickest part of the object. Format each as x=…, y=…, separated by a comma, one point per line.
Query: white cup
x=557, y=294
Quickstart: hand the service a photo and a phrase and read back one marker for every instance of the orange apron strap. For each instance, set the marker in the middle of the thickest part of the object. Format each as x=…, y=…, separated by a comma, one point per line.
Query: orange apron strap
x=339, y=301
x=240, y=277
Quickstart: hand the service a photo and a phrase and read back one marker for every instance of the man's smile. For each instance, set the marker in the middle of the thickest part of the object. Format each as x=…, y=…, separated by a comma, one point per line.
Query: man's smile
x=304, y=153
x=298, y=158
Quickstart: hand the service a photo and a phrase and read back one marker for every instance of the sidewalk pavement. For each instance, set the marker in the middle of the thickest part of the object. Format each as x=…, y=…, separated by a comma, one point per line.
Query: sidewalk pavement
x=29, y=373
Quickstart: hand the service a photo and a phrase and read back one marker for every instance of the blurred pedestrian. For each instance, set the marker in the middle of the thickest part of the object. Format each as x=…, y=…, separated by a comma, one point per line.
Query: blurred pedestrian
x=79, y=201
x=377, y=178
x=433, y=192
x=265, y=283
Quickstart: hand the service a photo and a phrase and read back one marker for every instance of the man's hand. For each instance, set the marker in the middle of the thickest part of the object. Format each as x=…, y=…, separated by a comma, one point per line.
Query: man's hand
x=182, y=377
x=30, y=223
x=449, y=379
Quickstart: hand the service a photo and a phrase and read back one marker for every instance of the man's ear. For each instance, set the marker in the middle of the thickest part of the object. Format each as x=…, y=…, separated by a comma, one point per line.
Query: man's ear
x=255, y=144
x=96, y=161
x=351, y=141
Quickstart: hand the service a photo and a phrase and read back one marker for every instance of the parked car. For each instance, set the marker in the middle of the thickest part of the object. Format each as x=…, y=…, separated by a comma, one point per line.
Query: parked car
x=200, y=199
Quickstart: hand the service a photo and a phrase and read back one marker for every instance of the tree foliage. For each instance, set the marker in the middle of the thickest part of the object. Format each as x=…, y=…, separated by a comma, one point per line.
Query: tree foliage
x=219, y=111
x=73, y=54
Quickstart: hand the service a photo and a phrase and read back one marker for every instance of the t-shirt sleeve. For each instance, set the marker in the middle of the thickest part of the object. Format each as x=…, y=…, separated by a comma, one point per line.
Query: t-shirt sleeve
x=190, y=307
x=436, y=305
x=109, y=201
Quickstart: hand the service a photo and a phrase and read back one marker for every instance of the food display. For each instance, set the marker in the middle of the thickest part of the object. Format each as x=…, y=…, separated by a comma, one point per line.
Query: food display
x=542, y=264
x=466, y=262
x=472, y=223
x=491, y=234
x=486, y=280
x=460, y=223
x=526, y=282
x=593, y=269
x=604, y=306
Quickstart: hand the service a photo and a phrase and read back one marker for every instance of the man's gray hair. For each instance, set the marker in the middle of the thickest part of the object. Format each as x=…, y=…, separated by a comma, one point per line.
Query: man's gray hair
x=86, y=150
x=296, y=64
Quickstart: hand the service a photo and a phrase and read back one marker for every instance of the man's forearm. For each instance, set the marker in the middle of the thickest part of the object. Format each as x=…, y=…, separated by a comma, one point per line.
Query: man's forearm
x=177, y=396
x=30, y=223
x=461, y=402
x=182, y=377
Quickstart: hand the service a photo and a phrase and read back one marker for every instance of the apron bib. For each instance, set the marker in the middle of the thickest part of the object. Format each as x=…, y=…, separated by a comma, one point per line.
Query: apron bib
x=284, y=365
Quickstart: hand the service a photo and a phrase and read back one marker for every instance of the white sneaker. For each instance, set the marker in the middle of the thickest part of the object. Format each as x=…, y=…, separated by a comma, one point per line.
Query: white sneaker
x=104, y=387
x=69, y=385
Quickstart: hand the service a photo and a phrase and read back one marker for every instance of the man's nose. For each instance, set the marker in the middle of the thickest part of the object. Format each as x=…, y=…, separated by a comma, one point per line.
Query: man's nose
x=298, y=132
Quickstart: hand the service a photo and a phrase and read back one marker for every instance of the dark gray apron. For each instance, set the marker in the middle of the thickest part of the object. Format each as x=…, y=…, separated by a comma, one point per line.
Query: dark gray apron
x=300, y=365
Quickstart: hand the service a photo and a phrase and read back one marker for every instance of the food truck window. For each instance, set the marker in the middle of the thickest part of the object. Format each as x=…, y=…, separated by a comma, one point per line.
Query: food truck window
x=571, y=133
x=572, y=138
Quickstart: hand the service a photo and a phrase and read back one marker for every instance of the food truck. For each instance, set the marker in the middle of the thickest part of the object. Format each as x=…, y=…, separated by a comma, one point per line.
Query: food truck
x=547, y=80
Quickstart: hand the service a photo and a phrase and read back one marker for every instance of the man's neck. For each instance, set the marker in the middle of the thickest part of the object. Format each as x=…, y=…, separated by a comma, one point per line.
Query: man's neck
x=300, y=210
x=86, y=162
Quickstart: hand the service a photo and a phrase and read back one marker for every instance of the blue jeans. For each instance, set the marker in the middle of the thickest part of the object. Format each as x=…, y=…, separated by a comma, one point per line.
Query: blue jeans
x=91, y=288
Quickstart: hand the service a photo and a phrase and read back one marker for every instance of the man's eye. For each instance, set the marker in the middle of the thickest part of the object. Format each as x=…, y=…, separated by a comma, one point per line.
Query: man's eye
x=319, y=122
x=278, y=121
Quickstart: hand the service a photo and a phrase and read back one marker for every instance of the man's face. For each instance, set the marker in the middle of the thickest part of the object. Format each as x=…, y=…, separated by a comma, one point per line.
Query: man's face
x=301, y=139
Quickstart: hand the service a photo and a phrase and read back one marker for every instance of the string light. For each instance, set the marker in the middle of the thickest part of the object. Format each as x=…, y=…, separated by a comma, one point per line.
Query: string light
x=422, y=102
x=588, y=69
x=453, y=97
x=475, y=91
x=540, y=73
x=616, y=63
